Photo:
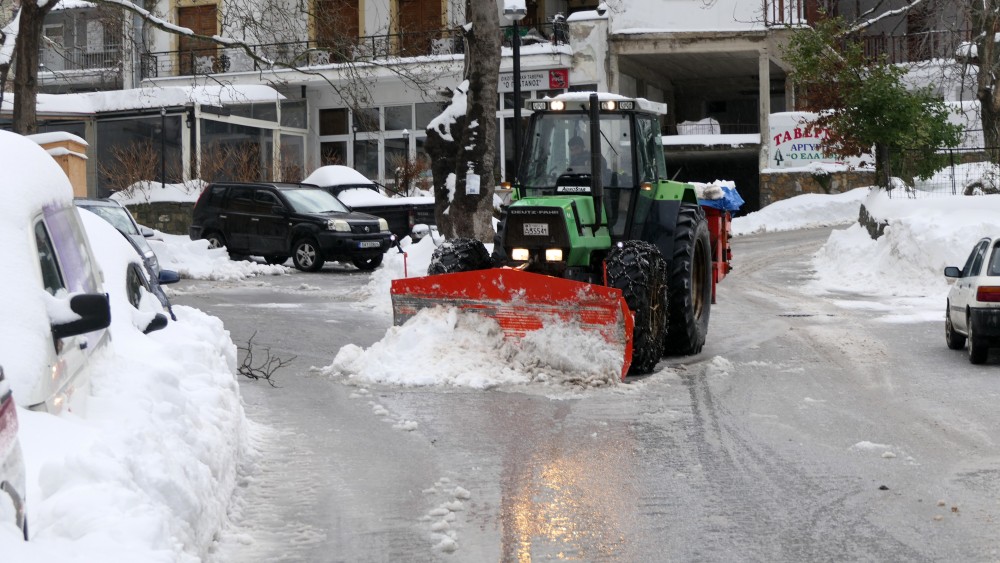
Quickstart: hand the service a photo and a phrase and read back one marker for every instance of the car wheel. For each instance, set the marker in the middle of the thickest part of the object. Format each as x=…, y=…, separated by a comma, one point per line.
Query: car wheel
x=307, y=256
x=367, y=264
x=215, y=240
x=955, y=340
x=276, y=259
x=977, y=348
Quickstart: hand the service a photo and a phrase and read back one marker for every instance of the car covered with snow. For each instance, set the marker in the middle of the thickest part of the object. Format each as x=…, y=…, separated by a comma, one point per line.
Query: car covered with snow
x=56, y=311
x=361, y=194
x=973, y=309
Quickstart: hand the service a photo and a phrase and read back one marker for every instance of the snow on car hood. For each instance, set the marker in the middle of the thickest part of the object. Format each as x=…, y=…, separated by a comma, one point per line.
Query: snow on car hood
x=365, y=195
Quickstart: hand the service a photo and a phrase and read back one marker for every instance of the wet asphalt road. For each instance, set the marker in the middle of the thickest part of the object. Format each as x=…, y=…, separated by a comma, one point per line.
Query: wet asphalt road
x=803, y=432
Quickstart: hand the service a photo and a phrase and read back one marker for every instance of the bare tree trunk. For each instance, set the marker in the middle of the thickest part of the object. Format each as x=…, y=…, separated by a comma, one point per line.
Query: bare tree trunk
x=472, y=206
x=883, y=167
x=443, y=153
x=25, y=88
x=986, y=21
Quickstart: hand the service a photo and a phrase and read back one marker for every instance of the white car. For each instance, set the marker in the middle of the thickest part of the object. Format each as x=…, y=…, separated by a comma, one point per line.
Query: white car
x=56, y=311
x=973, y=312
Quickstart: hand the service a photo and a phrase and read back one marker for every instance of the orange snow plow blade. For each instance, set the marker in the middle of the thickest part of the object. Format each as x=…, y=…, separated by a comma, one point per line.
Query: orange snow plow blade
x=520, y=302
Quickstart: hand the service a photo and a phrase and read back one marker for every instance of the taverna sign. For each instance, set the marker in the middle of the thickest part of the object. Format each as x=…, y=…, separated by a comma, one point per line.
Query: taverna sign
x=795, y=142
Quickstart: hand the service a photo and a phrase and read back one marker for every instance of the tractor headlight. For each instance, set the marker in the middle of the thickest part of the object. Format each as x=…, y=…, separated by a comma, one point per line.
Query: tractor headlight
x=519, y=254
x=553, y=255
x=383, y=225
x=338, y=225
x=557, y=105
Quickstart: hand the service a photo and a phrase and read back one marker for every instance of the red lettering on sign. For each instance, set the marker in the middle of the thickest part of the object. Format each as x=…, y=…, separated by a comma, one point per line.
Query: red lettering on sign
x=559, y=79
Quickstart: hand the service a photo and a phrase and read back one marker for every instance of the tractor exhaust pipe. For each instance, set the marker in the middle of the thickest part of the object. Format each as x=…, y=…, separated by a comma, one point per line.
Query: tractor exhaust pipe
x=596, y=168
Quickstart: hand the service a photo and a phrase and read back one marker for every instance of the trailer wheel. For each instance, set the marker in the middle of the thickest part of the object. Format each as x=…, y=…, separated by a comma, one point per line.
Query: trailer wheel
x=459, y=255
x=690, y=284
x=638, y=269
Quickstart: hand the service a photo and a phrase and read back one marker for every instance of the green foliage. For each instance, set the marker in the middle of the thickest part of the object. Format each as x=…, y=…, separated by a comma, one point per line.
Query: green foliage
x=862, y=102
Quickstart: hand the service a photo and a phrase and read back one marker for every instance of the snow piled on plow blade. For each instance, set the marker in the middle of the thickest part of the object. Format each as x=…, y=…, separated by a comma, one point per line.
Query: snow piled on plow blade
x=454, y=347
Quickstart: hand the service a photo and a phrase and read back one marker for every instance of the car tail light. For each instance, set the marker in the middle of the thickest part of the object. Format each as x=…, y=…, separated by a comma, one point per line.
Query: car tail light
x=988, y=294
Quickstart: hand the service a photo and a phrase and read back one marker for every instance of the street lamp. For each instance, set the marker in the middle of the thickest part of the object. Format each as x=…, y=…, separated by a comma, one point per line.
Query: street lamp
x=163, y=148
x=515, y=10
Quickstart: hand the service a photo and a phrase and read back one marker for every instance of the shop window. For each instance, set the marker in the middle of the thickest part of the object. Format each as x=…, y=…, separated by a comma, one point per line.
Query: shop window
x=426, y=112
x=333, y=153
x=333, y=122
x=398, y=118
x=366, y=120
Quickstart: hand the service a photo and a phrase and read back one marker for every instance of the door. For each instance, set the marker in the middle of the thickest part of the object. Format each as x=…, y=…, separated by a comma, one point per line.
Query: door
x=419, y=24
x=270, y=228
x=198, y=55
x=966, y=284
x=238, y=211
x=336, y=27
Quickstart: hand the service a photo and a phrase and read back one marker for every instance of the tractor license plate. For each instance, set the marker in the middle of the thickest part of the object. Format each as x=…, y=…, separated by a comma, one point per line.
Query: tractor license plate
x=536, y=229
x=369, y=244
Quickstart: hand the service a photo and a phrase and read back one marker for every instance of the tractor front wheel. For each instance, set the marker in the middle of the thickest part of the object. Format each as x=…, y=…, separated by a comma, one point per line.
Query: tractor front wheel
x=690, y=284
x=459, y=255
x=638, y=269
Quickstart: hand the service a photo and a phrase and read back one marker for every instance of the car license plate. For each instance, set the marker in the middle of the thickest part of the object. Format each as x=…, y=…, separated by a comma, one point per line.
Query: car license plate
x=369, y=244
x=536, y=229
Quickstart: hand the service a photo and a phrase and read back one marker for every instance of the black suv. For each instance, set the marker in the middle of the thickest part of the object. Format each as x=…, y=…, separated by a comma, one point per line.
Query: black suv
x=281, y=220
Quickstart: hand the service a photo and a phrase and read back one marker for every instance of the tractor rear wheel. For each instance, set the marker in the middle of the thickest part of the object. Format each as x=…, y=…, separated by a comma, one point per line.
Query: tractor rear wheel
x=459, y=255
x=638, y=269
x=690, y=284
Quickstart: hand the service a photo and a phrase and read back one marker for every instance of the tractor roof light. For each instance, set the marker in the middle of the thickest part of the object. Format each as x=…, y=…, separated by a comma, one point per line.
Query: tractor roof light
x=608, y=105
x=557, y=105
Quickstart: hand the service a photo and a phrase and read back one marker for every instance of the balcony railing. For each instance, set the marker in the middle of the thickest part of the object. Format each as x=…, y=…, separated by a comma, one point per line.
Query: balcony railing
x=69, y=59
x=790, y=12
x=915, y=47
x=302, y=54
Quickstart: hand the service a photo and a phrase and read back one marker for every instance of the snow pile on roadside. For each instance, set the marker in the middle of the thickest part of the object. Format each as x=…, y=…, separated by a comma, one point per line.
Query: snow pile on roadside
x=412, y=262
x=193, y=259
x=908, y=260
x=444, y=346
x=802, y=212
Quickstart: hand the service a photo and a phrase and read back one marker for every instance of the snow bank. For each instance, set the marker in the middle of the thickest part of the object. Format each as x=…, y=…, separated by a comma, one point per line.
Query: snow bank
x=193, y=259
x=802, y=212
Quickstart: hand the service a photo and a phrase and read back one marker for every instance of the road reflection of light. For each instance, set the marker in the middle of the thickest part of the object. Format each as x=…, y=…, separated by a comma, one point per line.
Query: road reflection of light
x=578, y=500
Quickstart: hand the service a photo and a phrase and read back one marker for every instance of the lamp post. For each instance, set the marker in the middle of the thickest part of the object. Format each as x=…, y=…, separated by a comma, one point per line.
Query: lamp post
x=515, y=10
x=163, y=148
x=404, y=174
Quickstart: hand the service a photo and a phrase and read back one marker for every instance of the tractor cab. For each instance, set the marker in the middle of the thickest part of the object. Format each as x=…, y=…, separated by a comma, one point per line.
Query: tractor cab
x=560, y=158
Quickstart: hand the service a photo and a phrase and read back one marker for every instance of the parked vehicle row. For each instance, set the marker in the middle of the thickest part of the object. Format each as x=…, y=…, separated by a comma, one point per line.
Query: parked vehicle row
x=55, y=326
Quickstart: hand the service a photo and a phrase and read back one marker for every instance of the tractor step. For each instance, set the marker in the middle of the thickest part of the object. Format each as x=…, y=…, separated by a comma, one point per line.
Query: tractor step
x=520, y=302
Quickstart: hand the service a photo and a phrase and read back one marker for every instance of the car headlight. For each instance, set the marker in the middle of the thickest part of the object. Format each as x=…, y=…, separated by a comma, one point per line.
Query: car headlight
x=383, y=225
x=338, y=225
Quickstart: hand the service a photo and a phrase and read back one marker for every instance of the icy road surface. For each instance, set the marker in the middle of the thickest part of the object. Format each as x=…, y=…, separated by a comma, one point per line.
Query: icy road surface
x=808, y=429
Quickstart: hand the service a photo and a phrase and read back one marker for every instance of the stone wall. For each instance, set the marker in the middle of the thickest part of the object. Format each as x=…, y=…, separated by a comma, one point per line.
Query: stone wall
x=167, y=216
x=776, y=186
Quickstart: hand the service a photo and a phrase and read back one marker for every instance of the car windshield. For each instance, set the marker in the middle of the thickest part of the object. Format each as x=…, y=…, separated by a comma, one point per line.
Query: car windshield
x=313, y=201
x=117, y=216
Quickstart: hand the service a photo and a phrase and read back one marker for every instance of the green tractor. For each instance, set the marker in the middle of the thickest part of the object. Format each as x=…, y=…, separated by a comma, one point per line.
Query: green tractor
x=592, y=206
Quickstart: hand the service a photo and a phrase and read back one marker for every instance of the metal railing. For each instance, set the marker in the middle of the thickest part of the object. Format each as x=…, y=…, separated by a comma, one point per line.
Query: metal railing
x=302, y=54
x=713, y=129
x=914, y=47
x=68, y=59
x=964, y=171
x=790, y=12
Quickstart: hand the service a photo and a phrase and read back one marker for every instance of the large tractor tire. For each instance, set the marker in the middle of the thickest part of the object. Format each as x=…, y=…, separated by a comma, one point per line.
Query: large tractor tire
x=690, y=284
x=459, y=255
x=638, y=269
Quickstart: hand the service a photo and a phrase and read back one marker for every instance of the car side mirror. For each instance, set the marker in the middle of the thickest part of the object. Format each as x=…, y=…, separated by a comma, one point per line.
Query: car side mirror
x=94, y=311
x=278, y=210
x=952, y=272
x=158, y=322
x=168, y=277
x=147, y=232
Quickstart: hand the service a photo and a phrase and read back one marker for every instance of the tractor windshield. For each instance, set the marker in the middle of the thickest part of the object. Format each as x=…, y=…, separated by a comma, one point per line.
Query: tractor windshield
x=557, y=159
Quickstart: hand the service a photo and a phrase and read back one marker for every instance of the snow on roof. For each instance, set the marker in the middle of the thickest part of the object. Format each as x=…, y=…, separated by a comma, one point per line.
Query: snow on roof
x=56, y=137
x=147, y=98
x=336, y=175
